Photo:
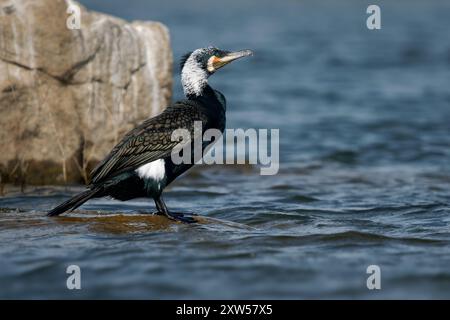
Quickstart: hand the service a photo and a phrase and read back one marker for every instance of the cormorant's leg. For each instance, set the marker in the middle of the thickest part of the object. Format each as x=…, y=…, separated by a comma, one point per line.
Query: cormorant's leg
x=162, y=208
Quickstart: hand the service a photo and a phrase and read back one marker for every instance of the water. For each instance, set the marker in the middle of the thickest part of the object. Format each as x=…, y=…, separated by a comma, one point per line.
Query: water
x=364, y=120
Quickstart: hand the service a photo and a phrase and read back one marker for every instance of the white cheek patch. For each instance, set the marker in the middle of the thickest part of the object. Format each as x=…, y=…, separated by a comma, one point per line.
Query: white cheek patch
x=154, y=170
x=193, y=77
x=210, y=65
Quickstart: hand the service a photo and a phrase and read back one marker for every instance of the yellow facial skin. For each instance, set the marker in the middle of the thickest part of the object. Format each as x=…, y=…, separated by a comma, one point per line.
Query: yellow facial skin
x=215, y=63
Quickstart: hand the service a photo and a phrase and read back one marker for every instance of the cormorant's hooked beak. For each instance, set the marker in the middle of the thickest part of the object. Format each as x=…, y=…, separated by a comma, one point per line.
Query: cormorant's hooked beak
x=218, y=62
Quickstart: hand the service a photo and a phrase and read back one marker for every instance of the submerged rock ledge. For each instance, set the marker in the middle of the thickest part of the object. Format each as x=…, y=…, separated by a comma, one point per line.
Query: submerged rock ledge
x=67, y=96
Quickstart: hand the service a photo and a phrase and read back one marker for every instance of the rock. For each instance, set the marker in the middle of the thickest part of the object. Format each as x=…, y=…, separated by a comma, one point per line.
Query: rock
x=67, y=96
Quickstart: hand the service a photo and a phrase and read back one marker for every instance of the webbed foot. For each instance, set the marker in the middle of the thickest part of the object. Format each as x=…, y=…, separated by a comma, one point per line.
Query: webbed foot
x=177, y=216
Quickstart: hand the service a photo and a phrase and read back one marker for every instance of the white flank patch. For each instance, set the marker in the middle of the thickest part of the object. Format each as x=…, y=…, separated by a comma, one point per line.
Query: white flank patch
x=154, y=170
x=193, y=77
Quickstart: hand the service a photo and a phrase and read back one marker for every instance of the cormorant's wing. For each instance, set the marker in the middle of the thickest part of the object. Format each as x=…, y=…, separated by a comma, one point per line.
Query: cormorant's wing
x=149, y=141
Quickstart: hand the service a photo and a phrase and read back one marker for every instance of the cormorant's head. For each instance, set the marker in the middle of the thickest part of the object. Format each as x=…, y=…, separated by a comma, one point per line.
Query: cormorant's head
x=198, y=65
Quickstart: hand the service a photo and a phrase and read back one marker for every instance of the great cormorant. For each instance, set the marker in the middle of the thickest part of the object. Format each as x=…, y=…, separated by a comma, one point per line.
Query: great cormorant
x=140, y=165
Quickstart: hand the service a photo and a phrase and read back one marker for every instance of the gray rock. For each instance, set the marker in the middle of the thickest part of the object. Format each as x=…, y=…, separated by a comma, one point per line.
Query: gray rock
x=67, y=96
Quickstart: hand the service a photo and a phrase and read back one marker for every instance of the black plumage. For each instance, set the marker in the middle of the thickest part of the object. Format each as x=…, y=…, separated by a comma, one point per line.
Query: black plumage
x=117, y=174
x=152, y=139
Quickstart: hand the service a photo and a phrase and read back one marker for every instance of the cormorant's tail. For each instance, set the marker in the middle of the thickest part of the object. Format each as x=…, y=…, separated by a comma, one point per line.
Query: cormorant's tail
x=74, y=202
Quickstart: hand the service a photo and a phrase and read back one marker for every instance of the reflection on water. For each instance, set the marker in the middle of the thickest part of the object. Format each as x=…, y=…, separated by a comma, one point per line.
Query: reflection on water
x=118, y=223
x=364, y=175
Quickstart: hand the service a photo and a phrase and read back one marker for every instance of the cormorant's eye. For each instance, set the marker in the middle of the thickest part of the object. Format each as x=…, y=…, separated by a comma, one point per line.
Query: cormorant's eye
x=219, y=54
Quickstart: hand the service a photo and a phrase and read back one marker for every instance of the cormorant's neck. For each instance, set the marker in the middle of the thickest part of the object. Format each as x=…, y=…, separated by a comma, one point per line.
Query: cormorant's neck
x=194, y=79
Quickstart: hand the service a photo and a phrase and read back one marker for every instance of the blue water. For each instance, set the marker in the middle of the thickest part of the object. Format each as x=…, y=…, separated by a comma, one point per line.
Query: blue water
x=364, y=119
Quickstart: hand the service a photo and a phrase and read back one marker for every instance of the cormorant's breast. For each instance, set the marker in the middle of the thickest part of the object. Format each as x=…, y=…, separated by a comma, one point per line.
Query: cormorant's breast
x=213, y=105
